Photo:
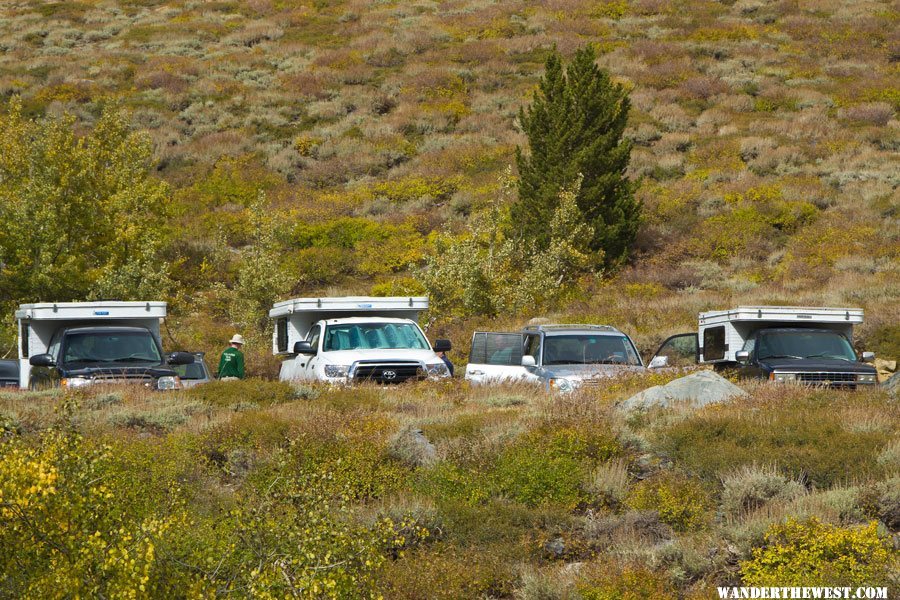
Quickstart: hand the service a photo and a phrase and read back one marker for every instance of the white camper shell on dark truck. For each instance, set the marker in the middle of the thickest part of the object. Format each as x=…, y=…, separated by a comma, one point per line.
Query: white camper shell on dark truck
x=811, y=345
x=356, y=338
x=74, y=344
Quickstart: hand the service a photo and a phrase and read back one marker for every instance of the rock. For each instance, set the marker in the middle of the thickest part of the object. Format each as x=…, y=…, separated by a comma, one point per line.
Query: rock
x=412, y=447
x=697, y=389
x=555, y=548
x=892, y=385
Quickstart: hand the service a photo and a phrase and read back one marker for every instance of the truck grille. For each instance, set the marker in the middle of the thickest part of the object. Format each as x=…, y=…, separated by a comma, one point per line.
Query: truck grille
x=397, y=372
x=122, y=378
x=820, y=378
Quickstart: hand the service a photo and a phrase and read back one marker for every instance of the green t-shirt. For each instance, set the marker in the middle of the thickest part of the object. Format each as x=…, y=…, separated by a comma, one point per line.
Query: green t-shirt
x=231, y=364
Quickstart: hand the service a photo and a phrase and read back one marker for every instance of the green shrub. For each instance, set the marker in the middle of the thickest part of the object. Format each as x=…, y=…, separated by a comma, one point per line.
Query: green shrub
x=801, y=435
x=630, y=583
x=231, y=393
x=812, y=553
x=750, y=487
x=447, y=481
x=682, y=503
x=550, y=466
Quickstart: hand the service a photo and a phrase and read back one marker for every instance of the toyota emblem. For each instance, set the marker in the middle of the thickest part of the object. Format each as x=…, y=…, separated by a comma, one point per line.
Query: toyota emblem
x=389, y=374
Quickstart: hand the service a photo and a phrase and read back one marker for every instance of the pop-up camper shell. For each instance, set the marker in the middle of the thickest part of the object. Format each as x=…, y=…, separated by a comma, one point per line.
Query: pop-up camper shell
x=722, y=333
x=294, y=318
x=38, y=322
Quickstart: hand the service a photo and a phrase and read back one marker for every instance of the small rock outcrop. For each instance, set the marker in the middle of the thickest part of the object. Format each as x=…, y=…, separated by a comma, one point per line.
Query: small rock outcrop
x=892, y=385
x=697, y=389
x=412, y=447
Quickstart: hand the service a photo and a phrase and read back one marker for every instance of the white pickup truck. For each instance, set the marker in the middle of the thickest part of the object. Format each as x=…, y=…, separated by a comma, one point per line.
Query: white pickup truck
x=357, y=338
x=557, y=357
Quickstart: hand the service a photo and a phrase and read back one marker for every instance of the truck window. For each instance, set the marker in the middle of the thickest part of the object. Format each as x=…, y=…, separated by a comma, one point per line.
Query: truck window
x=25, y=330
x=803, y=344
x=533, y=347
x=118, y=347
x=504, y=349
x=714, y=343
x=313, y=337
x=589, y=349
x=281, y=334
x=374, y=336
x=681, y=350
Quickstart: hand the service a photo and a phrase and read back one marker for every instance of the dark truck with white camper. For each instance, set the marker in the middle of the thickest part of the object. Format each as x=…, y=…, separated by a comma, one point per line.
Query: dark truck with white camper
x=785, y=344
x=77, y=344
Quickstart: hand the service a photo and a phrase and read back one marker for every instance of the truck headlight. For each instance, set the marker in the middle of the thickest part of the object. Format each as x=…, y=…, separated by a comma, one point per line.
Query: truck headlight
x=783, y=377
x=168, y=382
x=865, y=378
x=561, y=384
x=437, y=370
x=336, y=370
x=74, y=382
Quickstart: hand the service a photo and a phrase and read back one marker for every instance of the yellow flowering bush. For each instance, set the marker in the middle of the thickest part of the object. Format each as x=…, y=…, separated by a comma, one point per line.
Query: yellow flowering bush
x=812, y=553
x=681, y=503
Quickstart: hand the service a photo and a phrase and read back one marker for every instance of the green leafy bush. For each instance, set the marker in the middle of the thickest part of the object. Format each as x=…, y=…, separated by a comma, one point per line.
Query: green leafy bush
x=550, y=466
x=799, y=436
x=812, y=553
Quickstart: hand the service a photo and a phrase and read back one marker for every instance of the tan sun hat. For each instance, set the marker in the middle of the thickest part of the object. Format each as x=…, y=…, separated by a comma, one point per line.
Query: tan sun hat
x=237, y=339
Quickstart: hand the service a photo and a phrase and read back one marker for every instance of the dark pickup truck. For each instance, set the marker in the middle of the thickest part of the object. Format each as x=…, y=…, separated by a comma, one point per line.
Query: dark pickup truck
x=9, y=374
x=80, y=356
x=803, y=355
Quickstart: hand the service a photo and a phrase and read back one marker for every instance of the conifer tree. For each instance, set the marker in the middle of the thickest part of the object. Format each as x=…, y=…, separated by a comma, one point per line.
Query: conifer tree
x=575, y=127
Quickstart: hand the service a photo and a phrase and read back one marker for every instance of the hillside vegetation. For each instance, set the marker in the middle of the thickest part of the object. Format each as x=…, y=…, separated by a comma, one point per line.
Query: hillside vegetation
x=257, y=489
x=765, y=141
x=254, y=150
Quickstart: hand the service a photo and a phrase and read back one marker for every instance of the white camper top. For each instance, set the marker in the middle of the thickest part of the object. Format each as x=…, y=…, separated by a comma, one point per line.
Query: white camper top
x=351, y=305
x=89, y=311
x=294, y=318
x=784, y=314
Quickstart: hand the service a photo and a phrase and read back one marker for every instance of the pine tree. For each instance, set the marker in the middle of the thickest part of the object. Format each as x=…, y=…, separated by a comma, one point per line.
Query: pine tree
x=575, y=127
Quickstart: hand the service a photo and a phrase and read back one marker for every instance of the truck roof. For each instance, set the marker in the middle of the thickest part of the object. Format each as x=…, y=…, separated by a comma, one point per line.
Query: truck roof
x=784, y=314
x=105, y=329
x=372, y=319
x=351, y=304
x=563, y=328
x=105, y=309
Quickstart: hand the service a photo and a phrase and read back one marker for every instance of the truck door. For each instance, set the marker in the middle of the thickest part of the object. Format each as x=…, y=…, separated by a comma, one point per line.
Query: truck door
x=307, y=366
x=496, y=357
x=681, y=350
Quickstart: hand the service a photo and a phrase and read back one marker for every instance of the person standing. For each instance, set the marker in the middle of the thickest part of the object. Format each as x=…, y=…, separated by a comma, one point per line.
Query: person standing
x=231, y=365
x=443, y=356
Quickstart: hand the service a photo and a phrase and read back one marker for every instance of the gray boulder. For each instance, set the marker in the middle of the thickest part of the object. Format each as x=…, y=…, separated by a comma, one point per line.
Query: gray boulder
x=697, y=389
x=892, y=384
x=412, y=447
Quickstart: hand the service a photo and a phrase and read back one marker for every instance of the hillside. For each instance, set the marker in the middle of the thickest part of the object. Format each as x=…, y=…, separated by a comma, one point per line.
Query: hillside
x=765, y=134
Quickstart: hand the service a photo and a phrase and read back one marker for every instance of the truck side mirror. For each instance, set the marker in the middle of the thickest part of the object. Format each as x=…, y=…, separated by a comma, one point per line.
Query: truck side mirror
x=442, y=346
x=528, y=361
x=303, y=348
x=42, y=360
x=658, y=362
x=180, y=358
x=868, y=356
x=742, y=356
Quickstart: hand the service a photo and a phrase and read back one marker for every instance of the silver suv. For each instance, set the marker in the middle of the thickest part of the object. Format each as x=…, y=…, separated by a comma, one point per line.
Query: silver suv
x=559, y=357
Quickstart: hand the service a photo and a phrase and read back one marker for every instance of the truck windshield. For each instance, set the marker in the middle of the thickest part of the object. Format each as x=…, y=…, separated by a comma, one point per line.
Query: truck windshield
x=111, y=347
x=586, y=349
x=370, y=336
x=804, y=344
